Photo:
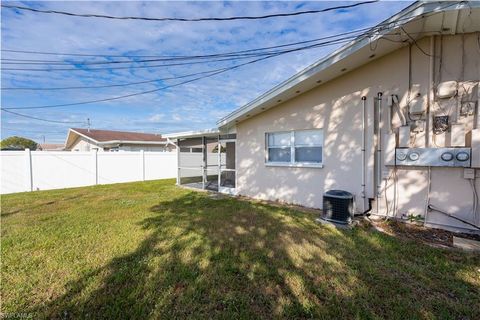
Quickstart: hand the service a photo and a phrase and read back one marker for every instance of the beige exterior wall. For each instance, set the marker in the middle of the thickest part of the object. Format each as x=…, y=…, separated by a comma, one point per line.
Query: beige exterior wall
x=336, y=107
x=82, y=144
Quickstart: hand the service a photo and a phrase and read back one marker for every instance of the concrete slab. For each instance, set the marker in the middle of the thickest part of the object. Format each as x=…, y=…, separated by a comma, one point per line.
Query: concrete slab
x=466, y=244
x=337, y=225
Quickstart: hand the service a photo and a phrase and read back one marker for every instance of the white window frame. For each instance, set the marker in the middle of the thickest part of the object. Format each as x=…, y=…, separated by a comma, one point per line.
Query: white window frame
x=292, y=146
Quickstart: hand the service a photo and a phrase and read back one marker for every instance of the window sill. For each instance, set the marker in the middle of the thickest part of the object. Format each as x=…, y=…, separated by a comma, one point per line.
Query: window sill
x=294, y=165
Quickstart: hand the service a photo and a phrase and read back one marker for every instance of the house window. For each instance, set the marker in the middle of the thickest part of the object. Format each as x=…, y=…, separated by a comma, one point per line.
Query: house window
x=295, y=147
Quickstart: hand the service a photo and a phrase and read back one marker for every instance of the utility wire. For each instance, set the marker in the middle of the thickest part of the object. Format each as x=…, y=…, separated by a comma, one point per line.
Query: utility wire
x=146, y=81
x=115, y=85
x=40, y=119
x=372, y=30
x=179, y=57
x=232, y=56
x=31, y=131
x=126, y=67
x=253, y=55
x=377, y=28
x=137, y=93
x=181, y=83
x=91, y=15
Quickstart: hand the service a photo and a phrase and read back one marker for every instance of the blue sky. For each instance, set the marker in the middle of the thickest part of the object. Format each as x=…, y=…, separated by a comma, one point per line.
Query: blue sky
x=192, y=106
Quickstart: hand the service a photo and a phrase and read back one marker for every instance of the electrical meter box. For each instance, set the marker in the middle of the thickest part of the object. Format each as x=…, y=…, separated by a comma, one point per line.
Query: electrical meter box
x=433, y=157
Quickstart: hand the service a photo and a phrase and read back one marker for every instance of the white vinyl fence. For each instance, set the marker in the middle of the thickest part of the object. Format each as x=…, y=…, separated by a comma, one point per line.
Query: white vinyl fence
x=44, y=170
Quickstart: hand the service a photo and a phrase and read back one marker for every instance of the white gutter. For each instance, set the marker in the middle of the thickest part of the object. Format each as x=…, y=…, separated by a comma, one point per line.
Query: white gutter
x=192, y=134
x=131, y=142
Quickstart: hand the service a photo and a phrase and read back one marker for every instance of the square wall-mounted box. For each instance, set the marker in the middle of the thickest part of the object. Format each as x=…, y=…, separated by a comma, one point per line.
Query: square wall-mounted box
x=473, y=141
x=457, y=133
x=404, y=137
x=390, y=144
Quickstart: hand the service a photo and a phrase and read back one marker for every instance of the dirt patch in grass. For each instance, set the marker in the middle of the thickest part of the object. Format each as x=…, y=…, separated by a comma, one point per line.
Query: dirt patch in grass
x=417, y=232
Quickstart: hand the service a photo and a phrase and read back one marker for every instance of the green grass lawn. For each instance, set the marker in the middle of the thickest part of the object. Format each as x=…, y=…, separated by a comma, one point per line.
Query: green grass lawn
x=152, y=250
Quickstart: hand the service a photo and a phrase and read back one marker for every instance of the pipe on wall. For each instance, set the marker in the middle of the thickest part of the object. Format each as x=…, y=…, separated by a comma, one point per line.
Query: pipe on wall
x=364, y=128
x=379, y=149
x=431, y=91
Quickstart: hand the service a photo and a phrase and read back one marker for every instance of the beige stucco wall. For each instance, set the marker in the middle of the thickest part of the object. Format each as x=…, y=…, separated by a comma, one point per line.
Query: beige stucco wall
x=82, y=144
x=336, y=108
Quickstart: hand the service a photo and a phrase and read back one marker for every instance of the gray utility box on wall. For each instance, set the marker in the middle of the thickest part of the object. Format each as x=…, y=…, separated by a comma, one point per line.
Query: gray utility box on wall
x=433, y=157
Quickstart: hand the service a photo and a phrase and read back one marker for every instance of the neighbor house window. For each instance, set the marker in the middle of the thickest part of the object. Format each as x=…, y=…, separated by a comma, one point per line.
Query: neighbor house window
x=295, y=147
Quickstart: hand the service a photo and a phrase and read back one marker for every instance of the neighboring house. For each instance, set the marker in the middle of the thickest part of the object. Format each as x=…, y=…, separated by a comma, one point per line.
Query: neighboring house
x=108, y=140
x=50, y=147
x=391, y=117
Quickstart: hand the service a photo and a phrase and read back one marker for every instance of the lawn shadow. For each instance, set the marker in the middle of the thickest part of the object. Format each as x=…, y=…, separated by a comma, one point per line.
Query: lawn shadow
x=30, y=208
x=229, y=258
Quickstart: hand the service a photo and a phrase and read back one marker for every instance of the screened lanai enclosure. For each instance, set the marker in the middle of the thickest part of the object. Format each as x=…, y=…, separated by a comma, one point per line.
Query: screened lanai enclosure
x=207, y=161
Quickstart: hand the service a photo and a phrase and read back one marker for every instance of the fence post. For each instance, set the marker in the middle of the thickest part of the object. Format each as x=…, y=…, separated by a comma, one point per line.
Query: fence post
x=95, y=165
x=177, y=150
x=29, y=177
x=142, y=154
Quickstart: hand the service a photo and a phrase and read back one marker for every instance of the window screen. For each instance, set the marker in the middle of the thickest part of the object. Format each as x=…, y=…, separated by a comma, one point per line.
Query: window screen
x=279, y=147
x=295, y=147
x=308, y=146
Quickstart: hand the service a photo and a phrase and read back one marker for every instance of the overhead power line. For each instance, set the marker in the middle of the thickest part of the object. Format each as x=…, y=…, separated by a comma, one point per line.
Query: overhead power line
x=182, y=57
x=268, y=16
x=388, y=25
x=126, y=67
x=133, y=94
x=154, y=80
x=233, y=58
x=40, y=119
x=31, y=131
x=233, y=55
x=114, y=85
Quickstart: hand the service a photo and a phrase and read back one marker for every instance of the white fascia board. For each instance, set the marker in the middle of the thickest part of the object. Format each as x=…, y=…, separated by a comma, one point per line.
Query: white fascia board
x=132, y=142
x=192, y=134
x=85, y=136
x=65, y=145
x=407, y=15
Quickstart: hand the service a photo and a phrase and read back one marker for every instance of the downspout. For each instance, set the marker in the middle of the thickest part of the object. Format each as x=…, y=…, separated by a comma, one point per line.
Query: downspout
x=364, y=168
x=431, y=92
x=364, y=127
x=379, y=150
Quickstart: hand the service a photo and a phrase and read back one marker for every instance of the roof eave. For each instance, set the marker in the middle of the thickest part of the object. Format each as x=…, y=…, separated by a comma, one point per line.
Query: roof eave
x=192, y=134
x=132, y=142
